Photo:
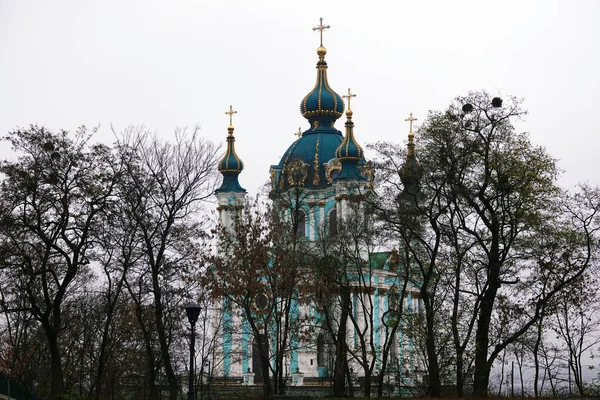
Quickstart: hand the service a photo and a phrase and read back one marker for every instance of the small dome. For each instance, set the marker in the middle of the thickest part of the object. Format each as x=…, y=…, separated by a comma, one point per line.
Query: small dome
x=349, y=149
x=322, y=100
x=230, y=163
x=230, y=166
x=411, y=172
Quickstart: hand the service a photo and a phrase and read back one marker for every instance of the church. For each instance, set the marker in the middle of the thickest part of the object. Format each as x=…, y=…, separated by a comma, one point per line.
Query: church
x=336, y=179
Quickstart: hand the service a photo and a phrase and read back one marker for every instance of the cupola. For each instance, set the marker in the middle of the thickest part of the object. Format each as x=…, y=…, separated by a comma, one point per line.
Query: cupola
x=230, y=165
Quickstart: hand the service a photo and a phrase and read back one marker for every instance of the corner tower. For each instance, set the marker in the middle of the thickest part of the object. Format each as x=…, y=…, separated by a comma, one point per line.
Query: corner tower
x=411, y=171
x=230, y=196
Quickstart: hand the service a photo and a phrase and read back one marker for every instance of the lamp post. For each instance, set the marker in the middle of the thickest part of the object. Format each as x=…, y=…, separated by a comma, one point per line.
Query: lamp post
x=193, y=311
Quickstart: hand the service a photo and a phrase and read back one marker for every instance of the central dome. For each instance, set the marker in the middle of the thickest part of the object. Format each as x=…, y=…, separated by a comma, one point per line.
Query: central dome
x=303, y=161
x=322, y=101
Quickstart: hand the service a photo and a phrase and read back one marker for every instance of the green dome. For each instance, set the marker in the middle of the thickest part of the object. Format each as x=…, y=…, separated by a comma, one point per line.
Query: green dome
x=322, y=101
x=302, y=163
x=230, y=166
x=349, y=149
x=411, y=171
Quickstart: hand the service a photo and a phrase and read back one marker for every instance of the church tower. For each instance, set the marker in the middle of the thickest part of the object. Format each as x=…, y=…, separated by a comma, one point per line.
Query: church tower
x=230, y=196
x=230, y=201
x=411, y=171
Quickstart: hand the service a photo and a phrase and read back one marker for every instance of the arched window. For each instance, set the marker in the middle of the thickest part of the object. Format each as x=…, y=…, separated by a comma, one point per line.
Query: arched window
x=366, y=220
x=301, y=224
x=332, y=222
x=321, y=359
x=393, y=298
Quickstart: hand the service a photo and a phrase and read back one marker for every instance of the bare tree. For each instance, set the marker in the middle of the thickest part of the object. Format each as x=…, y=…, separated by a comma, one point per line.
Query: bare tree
x=163, y=188
x=577, y=324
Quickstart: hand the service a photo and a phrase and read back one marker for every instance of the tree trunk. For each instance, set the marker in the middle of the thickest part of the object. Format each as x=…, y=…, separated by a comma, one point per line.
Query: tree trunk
x=460, y=378
x=162, y=339
x=103, y=357
x=267, y=386
x=57, y=382
x=434, y=387
x=341, y=359
x=536, y=360
x=381, y=376
x=367, y=390
x=481, y=374
x=350, y=383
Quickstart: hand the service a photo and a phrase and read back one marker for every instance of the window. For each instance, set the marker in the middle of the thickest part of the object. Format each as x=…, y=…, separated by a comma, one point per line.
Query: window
x=321, y=351
x=393, y=298
x=261, y=301
x=301, y=224
x=332, y=222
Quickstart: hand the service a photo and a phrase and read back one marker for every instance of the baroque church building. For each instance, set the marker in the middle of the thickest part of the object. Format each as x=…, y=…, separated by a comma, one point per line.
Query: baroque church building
x=330, y=167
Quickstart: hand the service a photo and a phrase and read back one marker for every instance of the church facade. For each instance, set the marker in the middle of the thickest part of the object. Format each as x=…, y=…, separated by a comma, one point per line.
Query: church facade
x=330, y=167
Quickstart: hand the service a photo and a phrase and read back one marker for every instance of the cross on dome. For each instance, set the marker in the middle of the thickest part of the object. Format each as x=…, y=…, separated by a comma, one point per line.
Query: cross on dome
x=410, y=119
x=349, y=96
x=411, y=136
x=230, y=113
x=321, y=28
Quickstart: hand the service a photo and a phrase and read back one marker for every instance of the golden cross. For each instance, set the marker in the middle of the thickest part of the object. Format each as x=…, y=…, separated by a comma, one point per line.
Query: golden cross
x=230, y=113
x=349, y=96
x=410, y=119
x=299, y=133
x=320, y=28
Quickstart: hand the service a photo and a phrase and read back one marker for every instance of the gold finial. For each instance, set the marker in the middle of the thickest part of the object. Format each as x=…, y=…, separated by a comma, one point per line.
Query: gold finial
x=230, y=113
x=320, y=28
x=410, y=119
x=349, y=96
x=299, y=133
x=411, y=136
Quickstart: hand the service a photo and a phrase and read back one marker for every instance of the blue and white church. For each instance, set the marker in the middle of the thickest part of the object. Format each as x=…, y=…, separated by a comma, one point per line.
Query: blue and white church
x=330, y=167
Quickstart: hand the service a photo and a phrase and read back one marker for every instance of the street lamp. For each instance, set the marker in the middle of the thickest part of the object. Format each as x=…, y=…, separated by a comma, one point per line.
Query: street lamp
x=193, y=311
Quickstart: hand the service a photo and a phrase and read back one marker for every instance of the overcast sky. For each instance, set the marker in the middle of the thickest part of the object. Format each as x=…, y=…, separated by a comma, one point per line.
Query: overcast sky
x=179, y=63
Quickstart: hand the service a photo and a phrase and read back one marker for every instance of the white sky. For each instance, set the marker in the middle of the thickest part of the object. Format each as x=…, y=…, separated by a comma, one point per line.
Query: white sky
x=182, y=63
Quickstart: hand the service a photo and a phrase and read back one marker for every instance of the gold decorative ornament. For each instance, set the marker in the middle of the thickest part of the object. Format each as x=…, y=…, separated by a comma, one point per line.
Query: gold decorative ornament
x=332, y=165
x=296, y=172
x=316, y=178
x=299, y=133
x=368, y=172
x=285, y=164
x=273, y=174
